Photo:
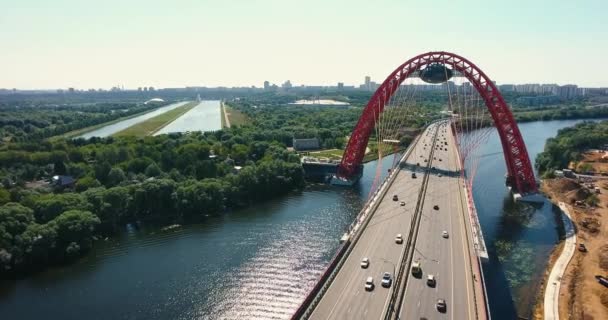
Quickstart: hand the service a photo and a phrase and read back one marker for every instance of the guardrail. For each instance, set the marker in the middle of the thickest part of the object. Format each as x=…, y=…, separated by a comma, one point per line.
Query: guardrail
x=474, y=224
x=317, y=292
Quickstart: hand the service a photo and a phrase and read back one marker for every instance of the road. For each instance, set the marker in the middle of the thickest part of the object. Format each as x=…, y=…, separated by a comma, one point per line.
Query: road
x=445, y=258
x=346, y=297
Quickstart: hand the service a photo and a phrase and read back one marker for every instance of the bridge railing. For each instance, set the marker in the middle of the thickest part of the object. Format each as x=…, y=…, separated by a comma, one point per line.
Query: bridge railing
x=478, y=243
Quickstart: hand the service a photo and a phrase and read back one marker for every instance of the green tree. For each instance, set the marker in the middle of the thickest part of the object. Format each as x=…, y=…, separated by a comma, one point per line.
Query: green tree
x=115, y=177
x=75, y=226
x=49, y=206
x=5, y=196
x=153, y=170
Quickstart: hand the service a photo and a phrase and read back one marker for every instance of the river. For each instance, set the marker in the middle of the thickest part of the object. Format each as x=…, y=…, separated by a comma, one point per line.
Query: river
x=206, y=116
x=111, y=129
x=259, y=262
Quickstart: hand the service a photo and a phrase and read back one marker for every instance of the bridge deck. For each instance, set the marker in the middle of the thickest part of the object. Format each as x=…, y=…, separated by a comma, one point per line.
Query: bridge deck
x=447, y=259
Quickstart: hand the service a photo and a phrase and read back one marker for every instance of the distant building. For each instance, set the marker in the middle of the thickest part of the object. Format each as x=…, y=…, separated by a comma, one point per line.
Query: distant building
x=286, y=85
x=568, y=91
x=305, y=144
x=266, y=85
x=63, y=182
x=340, y=85
x=367, y=83
x=155, y=101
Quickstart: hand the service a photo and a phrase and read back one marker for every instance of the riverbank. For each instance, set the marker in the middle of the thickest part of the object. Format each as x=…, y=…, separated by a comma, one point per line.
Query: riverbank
x=580, y=296
x=152, y=125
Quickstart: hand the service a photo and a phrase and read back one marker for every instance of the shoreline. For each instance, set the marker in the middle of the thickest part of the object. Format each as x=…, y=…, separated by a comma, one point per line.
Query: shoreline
x=578, y=293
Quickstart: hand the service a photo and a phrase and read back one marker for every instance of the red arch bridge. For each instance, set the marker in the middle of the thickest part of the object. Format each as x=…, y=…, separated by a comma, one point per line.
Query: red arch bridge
x=415, y=249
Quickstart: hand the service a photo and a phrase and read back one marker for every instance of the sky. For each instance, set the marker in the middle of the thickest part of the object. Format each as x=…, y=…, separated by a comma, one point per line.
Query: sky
x=135, y=43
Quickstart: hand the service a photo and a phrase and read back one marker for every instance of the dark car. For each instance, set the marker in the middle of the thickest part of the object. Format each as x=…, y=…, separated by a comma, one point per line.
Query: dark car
x=436, y=207
x=441, y=305
x=395, y=198
x=413, y=175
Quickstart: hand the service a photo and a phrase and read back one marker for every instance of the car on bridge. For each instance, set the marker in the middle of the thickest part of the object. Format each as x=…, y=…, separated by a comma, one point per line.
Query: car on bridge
x=369, y=284
x=386, y=280
x=395, y=198
x=399, y=239
x=414, y=174
x=416, y=269
x=441, y=305
x=445, y=234
x=365, y=263
x=436, y=207
x=430, y=280
x=402, y=203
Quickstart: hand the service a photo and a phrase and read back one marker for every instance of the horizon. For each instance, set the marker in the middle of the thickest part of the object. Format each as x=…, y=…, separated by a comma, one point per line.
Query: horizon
x=188, y=43
x=347, y=86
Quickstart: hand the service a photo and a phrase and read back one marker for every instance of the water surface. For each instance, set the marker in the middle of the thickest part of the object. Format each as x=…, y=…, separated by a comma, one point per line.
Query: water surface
x=119, y=126
x=206, y=116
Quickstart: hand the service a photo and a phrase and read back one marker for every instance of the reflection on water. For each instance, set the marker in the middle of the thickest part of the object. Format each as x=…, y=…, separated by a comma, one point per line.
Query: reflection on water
x=206, y=116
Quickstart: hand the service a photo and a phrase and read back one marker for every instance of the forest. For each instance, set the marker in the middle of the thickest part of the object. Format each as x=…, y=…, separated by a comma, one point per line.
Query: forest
x=570, y=143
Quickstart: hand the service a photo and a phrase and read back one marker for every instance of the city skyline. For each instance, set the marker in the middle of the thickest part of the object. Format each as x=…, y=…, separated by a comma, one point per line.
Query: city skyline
x=237, y=44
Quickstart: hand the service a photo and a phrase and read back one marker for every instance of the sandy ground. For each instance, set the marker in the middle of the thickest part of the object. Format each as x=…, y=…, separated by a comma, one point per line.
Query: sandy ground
x=580, y=294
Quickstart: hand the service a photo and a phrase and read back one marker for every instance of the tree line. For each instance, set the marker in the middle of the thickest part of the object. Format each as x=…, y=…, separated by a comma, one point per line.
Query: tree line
x=569, y=145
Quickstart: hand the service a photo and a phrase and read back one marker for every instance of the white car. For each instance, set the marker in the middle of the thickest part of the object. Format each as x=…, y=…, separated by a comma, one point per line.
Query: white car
x=386, y=280
x=416, y=268
x=365, y=263
x=402, y=203
x=369, y=284
x=399, y=239
x=430, y=280
x=445, y=234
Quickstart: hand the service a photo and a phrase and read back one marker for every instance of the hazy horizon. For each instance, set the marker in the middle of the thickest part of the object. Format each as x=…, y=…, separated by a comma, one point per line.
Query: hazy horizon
x=164, y=44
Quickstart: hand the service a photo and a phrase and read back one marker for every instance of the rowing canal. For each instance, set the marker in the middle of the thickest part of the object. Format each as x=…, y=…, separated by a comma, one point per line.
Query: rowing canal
x=259, y=262
x=111, y=129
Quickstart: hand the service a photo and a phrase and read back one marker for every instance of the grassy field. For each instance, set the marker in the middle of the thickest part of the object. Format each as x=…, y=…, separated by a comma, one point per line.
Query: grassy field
x=235, y=117
x=82, y=131
x=152, y=125
x=334, y=154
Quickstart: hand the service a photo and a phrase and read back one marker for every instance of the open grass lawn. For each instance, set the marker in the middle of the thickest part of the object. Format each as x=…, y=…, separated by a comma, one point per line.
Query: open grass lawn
x=235, y=117
x=154, y=124
x=334, y=154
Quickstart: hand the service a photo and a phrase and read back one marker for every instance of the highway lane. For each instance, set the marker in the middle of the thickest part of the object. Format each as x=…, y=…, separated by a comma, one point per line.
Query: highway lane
x=447, y=259
x=346, y=297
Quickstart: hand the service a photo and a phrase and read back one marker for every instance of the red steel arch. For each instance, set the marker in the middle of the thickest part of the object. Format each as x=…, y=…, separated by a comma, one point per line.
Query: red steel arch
x=519, y=169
